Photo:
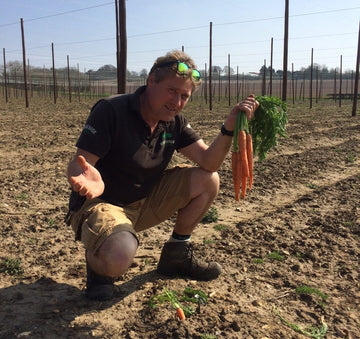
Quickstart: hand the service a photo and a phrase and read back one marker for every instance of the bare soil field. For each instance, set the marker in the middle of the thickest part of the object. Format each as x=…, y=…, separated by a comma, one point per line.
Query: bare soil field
x=290, y=251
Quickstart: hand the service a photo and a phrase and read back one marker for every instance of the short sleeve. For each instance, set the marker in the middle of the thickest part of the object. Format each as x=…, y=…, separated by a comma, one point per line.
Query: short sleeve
x=96, y=136
x=187, y=135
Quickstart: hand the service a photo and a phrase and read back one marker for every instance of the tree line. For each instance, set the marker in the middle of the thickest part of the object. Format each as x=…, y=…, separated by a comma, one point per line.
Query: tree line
x=107, y=72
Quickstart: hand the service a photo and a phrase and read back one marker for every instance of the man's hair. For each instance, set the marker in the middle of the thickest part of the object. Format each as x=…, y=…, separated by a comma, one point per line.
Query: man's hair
x=160, y=73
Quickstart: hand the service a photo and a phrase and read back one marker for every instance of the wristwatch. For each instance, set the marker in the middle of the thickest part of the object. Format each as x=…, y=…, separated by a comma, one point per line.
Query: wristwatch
x=224, y=131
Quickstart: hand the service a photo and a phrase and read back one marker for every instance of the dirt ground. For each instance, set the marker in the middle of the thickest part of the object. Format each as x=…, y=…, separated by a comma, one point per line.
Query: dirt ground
x=299, y=226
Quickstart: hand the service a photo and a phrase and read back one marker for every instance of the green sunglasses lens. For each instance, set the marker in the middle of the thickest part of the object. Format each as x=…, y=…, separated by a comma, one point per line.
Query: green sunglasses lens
x=196, y=74
x=182, y=67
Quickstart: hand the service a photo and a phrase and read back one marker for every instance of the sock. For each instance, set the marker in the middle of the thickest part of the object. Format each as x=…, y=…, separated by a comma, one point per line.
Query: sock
x=178, y=237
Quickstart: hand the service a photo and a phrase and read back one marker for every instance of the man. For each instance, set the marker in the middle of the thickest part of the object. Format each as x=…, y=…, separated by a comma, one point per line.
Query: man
x=122, y=184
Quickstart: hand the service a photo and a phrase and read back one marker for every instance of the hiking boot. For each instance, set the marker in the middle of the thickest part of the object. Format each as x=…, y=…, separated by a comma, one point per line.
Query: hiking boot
x=177, y=259
x=98, y=287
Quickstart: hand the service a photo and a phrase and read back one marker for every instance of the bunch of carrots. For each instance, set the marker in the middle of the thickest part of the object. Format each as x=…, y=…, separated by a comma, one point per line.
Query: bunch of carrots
x=257, y=136
x=242, y=157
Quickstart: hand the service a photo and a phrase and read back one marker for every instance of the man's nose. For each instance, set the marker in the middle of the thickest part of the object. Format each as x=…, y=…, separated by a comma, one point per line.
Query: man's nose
x=176, y=99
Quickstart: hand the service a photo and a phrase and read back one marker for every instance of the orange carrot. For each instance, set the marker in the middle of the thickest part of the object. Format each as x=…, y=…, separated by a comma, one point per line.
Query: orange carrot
x=243, y=186
x=249, y=151
x=244, y=162
x=236, y=170
x=242, y=151
x=180, y=313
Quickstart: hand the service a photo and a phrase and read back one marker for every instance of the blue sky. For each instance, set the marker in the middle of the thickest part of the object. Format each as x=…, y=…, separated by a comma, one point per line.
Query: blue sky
x=85, y=30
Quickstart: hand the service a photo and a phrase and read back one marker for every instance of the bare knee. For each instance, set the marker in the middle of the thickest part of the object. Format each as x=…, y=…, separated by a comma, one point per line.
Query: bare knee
x=215, y=180
x=205, y=182
x=115, y=255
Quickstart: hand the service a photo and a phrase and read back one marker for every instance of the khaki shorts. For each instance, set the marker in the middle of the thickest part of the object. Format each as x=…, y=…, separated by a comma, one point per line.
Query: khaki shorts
x=96, y=220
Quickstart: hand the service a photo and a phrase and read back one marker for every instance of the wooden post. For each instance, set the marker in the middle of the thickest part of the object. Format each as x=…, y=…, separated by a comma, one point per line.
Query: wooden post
x=271, y=65
x=210, y=69
x=5, y=77
x=243, y=86
x=205, y=85
x=237, y=84
x=356, y=85
x=340, y=79
x=69, y=80
x=311, y=75
x=24, y=63
x=304, y=81
x=90, y=86
x=321, y=86
x=293, y=83
x=78, y=72
x=229, y=79
x=117, y=47
x=54, y=73
x=286, y=41
x=44, y=81
x=317, y=85
x=123, y=45
x=219, y=85
x=263, y=87
x=335, y=86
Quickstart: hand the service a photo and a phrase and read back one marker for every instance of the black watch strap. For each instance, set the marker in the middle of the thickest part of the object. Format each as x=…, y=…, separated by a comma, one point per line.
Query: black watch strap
x=224, y=131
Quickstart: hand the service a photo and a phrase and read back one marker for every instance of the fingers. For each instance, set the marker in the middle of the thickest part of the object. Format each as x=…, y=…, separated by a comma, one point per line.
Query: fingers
x=76, y=184
x=81, y=189
x=252, y=102
x=82, y=162
x=249, y=106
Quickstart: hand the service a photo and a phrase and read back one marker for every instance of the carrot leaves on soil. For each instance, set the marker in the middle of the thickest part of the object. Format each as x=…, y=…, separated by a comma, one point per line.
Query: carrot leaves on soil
x=185, y=299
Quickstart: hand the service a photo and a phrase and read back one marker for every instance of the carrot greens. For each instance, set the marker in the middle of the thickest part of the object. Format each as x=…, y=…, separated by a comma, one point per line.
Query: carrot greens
x=268, y=124
x=181, y=301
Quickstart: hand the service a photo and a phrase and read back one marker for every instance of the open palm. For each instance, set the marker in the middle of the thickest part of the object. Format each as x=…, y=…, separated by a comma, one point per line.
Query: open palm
x=88, y=182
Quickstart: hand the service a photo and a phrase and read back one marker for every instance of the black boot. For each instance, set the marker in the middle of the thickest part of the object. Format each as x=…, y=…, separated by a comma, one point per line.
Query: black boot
x=98, y=287
x=177, y=259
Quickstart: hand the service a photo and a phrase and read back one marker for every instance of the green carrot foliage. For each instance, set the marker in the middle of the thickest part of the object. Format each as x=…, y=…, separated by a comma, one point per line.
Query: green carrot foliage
x=268, y=123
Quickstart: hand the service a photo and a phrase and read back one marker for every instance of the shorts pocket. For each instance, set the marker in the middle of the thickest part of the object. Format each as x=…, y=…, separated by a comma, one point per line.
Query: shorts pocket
x=95, y=226
x=89, y=237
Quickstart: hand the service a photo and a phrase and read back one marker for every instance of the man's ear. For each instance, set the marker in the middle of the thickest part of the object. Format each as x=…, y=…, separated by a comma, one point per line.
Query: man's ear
x=151, y=80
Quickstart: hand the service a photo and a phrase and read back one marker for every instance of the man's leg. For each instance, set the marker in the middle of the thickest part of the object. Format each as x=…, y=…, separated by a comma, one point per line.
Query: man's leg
x=114, y=256
x=204, y=187
x=110, y=241
x=112, y=259
x=177, y=255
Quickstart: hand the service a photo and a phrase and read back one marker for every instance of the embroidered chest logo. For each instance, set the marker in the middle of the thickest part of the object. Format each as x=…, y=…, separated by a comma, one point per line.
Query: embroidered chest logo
x=167, y=139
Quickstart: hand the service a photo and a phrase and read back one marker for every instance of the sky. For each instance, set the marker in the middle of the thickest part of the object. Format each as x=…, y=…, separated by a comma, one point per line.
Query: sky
x=85, y=30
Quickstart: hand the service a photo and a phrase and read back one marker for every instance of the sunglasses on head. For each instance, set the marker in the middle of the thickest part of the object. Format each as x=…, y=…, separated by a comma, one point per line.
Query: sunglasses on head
x=182, y=68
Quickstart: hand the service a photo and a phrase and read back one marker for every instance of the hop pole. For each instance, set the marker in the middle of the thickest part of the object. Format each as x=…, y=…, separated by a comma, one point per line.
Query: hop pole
x=356, y=87
x=54, y=72
x=121, y=45
x=24, y=63
x=5, y=77
x=285, y=59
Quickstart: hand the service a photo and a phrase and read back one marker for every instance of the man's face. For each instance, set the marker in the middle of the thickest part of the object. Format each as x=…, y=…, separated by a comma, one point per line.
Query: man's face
x=169, y=96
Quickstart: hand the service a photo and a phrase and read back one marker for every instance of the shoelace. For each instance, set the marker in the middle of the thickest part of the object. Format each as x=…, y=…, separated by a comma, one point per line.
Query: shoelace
x=190, y=254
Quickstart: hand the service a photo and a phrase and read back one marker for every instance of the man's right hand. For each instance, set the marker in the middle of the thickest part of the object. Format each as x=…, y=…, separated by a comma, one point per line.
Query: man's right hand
x=85, y=178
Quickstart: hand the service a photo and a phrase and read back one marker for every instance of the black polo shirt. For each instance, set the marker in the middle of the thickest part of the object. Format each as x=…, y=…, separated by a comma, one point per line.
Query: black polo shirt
x=131, y=158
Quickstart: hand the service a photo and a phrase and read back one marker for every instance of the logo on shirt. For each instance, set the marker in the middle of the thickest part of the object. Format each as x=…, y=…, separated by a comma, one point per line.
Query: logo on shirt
x=167, y=139
x=89, y=129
